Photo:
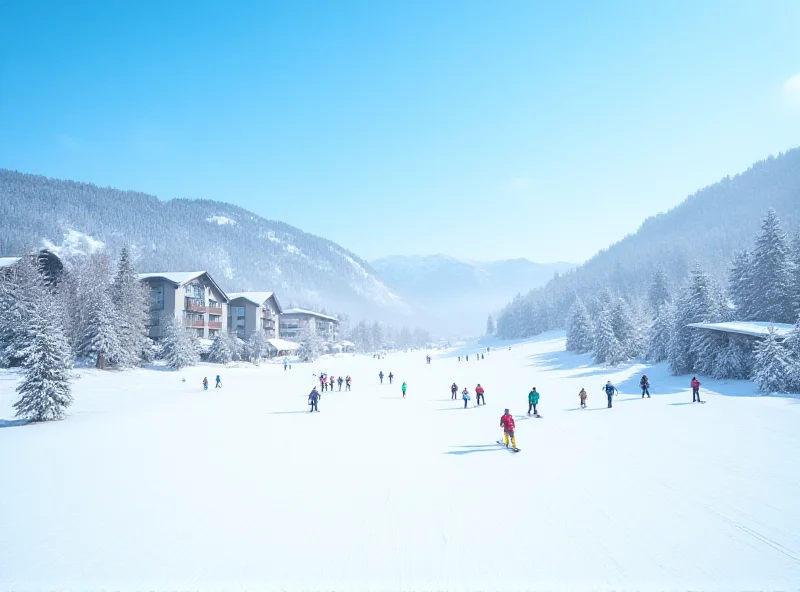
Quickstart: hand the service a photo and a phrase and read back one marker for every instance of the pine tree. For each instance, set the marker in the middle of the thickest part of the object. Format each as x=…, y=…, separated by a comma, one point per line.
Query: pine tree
x=131, y=300
x=740, y=284
x=490, y=328
x=45, y=390
x=100, y=339
x=607, y=349
x=256, y=347
x=792, y=345
x=659, y=292
x=772, y=274
x=177, y=348
x=311, y=343
x=377, y=336
x=221, y=351
x=20, y=292
x=628, y=334
x=795, y=258
x=773, y=366
x=580, y=334
x=733, y=360
x=661, y=334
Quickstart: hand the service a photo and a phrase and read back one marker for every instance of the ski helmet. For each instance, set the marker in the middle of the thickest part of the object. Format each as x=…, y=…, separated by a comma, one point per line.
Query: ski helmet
x=506, y=411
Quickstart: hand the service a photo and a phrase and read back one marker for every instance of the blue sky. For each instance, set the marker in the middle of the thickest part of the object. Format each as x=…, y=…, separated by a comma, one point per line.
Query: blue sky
x=483, y=130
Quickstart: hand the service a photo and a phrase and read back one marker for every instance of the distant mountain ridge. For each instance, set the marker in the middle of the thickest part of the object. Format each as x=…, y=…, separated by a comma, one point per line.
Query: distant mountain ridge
x=242, y=250
x=458, y=295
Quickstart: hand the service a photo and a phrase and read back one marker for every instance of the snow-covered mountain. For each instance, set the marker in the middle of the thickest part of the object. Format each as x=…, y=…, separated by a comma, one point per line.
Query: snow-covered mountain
x=241, y=250
x=456, y=296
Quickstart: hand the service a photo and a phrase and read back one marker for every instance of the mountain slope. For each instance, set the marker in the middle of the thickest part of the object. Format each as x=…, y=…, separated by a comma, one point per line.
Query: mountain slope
x=707, y=228
x=454, y=295
x=240, y=249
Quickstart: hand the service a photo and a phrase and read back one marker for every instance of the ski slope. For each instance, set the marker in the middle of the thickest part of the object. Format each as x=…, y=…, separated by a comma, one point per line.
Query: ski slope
x=153, y=484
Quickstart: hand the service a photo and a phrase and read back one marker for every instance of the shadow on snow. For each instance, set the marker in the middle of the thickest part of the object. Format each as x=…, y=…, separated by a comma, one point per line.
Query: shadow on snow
x=12, y=423
x=475, y=448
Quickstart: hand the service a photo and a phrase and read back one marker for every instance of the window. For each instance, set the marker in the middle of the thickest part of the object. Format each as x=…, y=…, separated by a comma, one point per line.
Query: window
x=239, y=312
x=157, y=298
x=213, y=303
x=195, y=291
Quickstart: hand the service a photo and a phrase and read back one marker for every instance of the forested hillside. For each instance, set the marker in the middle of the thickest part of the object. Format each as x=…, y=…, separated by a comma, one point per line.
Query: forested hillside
x=240, y=249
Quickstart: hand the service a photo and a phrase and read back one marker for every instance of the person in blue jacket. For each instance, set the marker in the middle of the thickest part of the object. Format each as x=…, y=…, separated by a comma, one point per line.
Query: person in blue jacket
x=610, y=390
x=313, y=400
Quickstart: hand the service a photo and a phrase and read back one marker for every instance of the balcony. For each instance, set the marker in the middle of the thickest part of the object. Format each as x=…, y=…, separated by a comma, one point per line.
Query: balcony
x=215, y=324
x=217, y=310
x=194, y=323
x=195, y=305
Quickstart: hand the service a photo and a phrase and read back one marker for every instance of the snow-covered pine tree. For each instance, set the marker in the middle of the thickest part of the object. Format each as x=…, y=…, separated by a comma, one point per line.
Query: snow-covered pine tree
x=607, y=349
x=131, y=300
x=659, y=292
x=697, y=304
x=311, y=343
x=733, y=360
x=795, y=257
x=772, y=364
x=740, y=285
x=378, y=338
x=772, y=274
x=257, y=346
x=792, y=345
x=661, y=333
x=45, y=390
x=21, y=290
x=490, y=328
x=100, y=338
x=220, y=351
x=177, y=348
x=628, y=334
x=580, y=333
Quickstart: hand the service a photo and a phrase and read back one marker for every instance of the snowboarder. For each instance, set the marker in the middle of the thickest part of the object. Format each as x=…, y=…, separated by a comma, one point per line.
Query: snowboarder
x=380, y=375
x=583, y=396
x=610, y=390
x=696, y=390
x=313, y=400
x=466, y=397
x=205, y=383
x=507, y=423
x=533, y=401
x=340, y=381
x=479, y=394
x=404, y=387
x=219, y=382
x=347, y=383
x=391, y=377
x=644, y=384
x=453, y=391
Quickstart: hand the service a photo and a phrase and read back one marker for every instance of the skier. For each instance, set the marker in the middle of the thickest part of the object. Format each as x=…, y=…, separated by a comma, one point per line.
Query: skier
x=347, y=383
x=313, y=400
x=340, y=381
x=507, y=423
x=331, y=382
x=453, y=391
x=610, y=390
x=583, y=396
x=467, y=357
x=482, y=357
x=466, y=397
x=479, y=394
x=205, y=383
x=644, y=384
x=380, y=375
x=459, y=358
x=533, y=401
x=219, y=382
x=285, y=364
x=696, y=390
x=391, y=377
x=404, y=387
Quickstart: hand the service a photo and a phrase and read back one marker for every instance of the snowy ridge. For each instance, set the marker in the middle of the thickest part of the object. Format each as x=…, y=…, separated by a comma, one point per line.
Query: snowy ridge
x=221, y=220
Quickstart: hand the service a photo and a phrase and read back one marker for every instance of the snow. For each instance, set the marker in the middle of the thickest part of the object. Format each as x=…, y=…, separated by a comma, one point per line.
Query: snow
x=177, y=277
x=221, y=220
x=753, y=328
x=8, y=261
x=283, y=345
x=152, y=483
x=257, y=298
x=74, y=243
x=291, y=311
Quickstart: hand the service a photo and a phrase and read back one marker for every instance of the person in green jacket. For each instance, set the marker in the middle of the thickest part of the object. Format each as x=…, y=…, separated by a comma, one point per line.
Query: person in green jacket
x=405, y=386
x=533, y=401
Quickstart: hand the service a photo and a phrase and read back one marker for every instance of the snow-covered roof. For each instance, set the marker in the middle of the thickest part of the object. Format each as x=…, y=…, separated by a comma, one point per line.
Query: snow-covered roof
x=176, y=277
x=8, y=261
x=257, y=298
x=752, y=328
x=347, y=343
x=283, y=345
x=303, y=311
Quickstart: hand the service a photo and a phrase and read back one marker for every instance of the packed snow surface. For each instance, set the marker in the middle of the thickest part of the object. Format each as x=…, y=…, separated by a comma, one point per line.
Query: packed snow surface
x=154, y=484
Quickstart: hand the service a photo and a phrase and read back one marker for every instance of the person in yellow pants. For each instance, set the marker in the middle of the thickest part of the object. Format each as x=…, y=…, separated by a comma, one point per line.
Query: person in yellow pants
x=508, y=425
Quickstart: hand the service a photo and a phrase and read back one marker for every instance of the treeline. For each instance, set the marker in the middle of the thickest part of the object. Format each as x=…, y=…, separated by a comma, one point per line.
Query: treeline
x=764, y=284
x=373, y=337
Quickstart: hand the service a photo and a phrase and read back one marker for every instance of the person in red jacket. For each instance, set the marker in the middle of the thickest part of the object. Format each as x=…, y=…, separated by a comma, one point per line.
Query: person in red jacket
x=479, y=392
x=507, y=423
x=696, y=390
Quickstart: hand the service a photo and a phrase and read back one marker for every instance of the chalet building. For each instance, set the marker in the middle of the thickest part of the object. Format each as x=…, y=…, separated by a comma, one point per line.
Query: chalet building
x=251, y=311
x=50, y=266
x=294, y=320
x=191, y=296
